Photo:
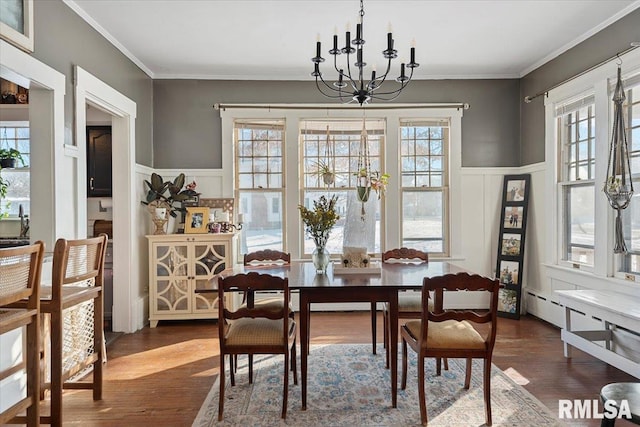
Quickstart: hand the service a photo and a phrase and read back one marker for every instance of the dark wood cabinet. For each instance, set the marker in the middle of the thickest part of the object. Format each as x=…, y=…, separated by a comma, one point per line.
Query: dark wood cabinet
x=98, y=161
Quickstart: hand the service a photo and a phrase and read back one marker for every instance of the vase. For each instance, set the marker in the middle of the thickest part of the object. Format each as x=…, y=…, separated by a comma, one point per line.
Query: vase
x=320, y=257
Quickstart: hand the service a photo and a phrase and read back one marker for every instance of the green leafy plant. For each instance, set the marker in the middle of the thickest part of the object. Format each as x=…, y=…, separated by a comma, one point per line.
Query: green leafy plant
x=325, y=172
x=158, y=188
x=11, y=154
x=319, y=221
x=4, y=185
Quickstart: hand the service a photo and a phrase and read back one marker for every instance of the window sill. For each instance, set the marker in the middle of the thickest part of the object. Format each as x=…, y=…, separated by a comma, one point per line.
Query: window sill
x=580, y=279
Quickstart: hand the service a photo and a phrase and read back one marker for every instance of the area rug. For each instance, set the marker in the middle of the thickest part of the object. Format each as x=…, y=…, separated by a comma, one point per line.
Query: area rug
x=349, y=386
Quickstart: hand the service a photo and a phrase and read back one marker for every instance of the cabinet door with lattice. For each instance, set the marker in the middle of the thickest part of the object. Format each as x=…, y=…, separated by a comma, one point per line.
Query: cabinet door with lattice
x=172, y=292
x=210, y=258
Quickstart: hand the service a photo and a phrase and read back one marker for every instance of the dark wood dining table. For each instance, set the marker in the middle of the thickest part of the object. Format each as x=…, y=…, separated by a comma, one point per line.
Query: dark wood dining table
x=332, y=287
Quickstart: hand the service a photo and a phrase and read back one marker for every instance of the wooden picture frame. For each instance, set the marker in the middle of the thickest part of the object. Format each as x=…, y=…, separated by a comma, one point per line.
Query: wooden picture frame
x=511, y=243
x=16, y=23
x=197, y=219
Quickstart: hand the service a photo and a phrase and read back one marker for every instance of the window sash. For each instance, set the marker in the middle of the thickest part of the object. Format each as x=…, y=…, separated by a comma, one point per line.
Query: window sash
x=424, y=159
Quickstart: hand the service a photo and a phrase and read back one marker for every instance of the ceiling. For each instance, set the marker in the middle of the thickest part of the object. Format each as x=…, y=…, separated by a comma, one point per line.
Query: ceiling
x=275, y=39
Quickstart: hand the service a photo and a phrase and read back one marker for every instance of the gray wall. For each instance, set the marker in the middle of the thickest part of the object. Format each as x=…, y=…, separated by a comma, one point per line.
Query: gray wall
x=187, y=130
x=599, y=47
x=63, y=39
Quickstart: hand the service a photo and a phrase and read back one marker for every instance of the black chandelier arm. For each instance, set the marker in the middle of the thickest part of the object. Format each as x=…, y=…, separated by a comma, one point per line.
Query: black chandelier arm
x=380, y=79
x=343, y=96
x=397, y=91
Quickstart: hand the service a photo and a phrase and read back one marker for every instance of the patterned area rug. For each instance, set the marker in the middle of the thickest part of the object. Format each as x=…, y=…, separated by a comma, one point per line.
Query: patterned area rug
x=349, y=386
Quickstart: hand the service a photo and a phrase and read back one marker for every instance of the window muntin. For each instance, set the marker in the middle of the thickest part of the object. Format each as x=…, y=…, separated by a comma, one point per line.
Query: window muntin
x=259, y=182
x=17, y=137
x=341, y=152
x=424, y=160
x=577, y=139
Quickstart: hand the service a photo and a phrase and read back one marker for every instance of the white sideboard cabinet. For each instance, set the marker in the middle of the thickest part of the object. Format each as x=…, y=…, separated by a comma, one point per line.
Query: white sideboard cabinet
x=181, y=263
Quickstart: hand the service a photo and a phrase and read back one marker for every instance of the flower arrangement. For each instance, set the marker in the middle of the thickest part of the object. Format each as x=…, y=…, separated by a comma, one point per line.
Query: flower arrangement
x=319, y=221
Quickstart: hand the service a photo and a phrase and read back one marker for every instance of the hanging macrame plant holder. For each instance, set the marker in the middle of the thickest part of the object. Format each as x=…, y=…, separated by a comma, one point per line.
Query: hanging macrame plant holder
x=329, y=173
x=363, y=176
x=618, y=186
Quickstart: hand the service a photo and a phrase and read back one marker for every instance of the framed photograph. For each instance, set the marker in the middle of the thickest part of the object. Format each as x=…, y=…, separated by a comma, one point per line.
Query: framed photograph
x=16, y=23
x=511, y=244
x=197, y=219
x=509, y=271
x=513, y=216
x=516, y=190
x=508, y=301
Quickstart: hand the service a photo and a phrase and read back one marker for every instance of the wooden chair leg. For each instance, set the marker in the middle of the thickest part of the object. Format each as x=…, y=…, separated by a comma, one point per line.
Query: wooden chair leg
x=232, y=368
x=404, y=364
x=98, y=345
x=222, y=376
x=467, y=377
x=446, y=364
x=294, y=367
x=374, y=318
x=56, y=367
x=421, y=392
x=33, y=371
x=250, y=356
x=487, y=390
x=285, y=391
x=438, y=367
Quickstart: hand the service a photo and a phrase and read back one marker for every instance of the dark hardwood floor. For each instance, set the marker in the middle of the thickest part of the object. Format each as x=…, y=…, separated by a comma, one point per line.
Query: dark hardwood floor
x=161, y=376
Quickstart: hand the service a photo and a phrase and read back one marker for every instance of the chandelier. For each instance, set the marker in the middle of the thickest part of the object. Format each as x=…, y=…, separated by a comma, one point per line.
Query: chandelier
x=351, y=85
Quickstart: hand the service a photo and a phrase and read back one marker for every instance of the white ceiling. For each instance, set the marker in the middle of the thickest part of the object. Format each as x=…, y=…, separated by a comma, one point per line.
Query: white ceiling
x=275, y=39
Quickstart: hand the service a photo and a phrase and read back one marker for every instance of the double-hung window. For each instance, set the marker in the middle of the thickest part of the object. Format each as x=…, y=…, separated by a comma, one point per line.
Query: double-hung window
x=424, y=185
x=576, y=137
x=336, y=143
x=259, y=182
x=15, y=135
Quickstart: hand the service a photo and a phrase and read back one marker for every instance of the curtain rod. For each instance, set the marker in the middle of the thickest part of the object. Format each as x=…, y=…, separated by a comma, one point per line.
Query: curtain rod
x=634, y=45
x=457, y=105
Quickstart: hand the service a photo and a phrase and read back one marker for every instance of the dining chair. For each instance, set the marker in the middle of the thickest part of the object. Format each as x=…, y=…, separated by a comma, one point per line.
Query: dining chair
x=74, y=302
x=409, y=302
x=20, y=270
x=264, y=257
x=453, y=333
x=254, y=329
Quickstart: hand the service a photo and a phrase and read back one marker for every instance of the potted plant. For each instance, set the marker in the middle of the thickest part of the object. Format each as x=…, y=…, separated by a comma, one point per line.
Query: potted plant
x=9, y=157
x=157, y=189
x=325, y=173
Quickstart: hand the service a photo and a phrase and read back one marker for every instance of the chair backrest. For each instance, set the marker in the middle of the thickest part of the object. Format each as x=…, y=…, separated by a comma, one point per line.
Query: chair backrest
x=267, y=256
x=460, y=282
x=20, y=269
x=405, y=255
x=78, y=262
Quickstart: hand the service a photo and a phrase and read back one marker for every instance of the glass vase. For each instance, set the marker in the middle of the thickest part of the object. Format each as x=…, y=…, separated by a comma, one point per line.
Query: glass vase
x=321, y=258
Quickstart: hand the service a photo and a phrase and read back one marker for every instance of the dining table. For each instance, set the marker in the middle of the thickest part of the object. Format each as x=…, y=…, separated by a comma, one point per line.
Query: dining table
x=370, y=285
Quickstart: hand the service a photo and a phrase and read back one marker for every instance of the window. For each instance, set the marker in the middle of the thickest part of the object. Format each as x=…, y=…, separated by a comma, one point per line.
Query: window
x=424, y=160
x=337, y=143
x=576, y=127
x=631, y=215
x=16, y=135
x=259, y=182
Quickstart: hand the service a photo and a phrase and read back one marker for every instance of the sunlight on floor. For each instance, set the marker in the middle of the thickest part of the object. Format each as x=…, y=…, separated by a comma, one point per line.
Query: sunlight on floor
x=516, y=376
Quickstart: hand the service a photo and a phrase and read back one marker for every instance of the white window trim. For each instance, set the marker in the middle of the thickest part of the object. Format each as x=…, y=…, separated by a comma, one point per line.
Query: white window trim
x=391, y=236
x=595, y=82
